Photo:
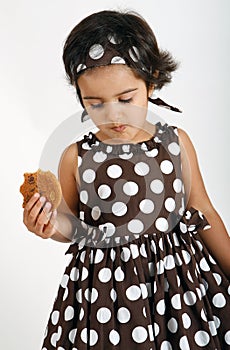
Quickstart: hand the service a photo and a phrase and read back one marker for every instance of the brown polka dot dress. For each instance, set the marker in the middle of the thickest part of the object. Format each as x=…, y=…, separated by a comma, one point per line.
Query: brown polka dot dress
x=140, y=277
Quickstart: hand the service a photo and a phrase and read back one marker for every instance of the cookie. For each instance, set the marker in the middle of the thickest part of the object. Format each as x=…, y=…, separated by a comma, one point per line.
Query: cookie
x=43, y=182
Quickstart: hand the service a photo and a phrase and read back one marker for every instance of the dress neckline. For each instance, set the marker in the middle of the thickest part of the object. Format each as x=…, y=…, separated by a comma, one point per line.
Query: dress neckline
x=127, y=147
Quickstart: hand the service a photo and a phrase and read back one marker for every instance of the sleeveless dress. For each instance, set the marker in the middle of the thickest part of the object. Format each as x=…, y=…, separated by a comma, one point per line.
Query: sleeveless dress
x=140, y=276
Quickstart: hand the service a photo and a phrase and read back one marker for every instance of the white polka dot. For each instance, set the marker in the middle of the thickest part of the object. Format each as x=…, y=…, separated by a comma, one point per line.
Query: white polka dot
x=96, y=51
x=191, y=279
x=144, y=291
x=162, y=224
x=169, y=262
x=202, y=338
x=79, y=295
x=184, y=344
x=69, y=313
x=113, y=294
x=227, y=337
x=91, y=295
x=186, y=256
x=166, y=167
x=217, y=321
x=95, y=213
x=80, y=67
x=183, y=227
x=55, y=317
x=203, y=315
x=174, y=148
x=144, y=311
x=119, y=208
x=56, y=336
x=99, y=256
x=114, y=337
x=189, y=298
x=170, y=204
x=104, y=274
x=152, y=153
x=146, y=206
x=139, y=334
x=135, y=226
x=74, y=274
x=112, y=254
x=119, y=274
x=125, y=254
x=172, y=325
x=72, y=335
x=204, y=265
x=141, y=169
x=93, y=336
x=212, y=328
x=166, y=345
x=81, y=314
x=65, y=280
x=126, y=156
x=117, y=60
x=178, y=260
x=161, y=307
x=143, y=250
x=114, y=171
x=65, y=295
x=176, y=301
x=104, y=191
x=156, y=329
x=177, y=185
x=219, y=300
x=186, y=321
x=160, y=267
x=103, y=315
x=130, y=188
x=86, y=146
x=157, y=186
x=99, y=157
x=218, y=278
x=109, y=228
x=84, y=197
x=134, y=53
x=123, y=315
x=133, y=293
x=134, y=251
x=89, y=175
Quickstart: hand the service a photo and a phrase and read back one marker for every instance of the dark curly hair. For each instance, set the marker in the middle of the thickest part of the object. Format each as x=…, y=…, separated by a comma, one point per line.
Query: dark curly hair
x=155, y=65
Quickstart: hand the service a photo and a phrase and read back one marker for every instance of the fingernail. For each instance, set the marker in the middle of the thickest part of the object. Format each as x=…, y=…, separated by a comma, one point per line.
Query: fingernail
x=55, y=213
x=48, y=206
x=42, y=200
x=36, y=195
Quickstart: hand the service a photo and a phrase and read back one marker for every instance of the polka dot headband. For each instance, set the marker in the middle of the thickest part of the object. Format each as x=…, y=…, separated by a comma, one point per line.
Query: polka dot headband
x=103, y=55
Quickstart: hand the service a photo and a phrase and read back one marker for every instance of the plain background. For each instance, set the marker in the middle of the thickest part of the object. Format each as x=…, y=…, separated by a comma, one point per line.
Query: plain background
x=36, y=100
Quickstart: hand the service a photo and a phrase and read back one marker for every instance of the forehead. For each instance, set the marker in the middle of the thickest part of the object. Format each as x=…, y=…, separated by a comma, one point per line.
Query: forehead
x=116, y=75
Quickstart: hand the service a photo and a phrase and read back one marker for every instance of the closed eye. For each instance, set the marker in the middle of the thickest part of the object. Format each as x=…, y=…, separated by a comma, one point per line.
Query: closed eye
x=126, y=101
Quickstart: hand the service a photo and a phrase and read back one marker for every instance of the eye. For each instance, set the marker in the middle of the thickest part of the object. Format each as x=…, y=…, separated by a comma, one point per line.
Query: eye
x=126, y=101
x=96, y=105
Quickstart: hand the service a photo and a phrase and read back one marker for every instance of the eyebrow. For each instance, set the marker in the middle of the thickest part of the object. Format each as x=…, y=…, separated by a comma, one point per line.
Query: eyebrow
x=99, y=98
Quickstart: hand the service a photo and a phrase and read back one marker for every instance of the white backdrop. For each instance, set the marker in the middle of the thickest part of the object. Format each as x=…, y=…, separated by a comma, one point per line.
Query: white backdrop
x=35, y=100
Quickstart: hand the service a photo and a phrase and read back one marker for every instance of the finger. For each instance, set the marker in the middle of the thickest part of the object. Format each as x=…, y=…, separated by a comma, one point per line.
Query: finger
x=35, y=211
x=43, y=217
x=51, y=227
x=29, y=206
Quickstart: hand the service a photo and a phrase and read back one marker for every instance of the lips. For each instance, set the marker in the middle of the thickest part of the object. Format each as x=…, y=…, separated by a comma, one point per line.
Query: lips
x=119, y=128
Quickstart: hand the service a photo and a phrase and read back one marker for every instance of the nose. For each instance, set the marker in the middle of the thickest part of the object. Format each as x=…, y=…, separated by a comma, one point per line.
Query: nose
x=113, y=113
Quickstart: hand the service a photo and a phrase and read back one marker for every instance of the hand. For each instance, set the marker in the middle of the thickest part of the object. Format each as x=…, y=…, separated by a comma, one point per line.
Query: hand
x=39, y=218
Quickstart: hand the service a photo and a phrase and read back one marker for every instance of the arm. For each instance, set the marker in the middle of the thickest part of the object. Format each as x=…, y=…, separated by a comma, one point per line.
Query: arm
x=216, y=238
x=58, y=225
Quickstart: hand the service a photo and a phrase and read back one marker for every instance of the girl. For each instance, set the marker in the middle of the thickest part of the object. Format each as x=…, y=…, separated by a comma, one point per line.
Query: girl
x=149, y=270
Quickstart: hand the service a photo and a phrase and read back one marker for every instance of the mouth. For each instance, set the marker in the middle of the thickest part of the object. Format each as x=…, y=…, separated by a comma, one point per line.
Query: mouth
x=119, y=128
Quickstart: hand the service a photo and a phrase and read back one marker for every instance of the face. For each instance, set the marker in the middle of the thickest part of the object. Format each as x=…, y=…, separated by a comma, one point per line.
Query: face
x=116, y=100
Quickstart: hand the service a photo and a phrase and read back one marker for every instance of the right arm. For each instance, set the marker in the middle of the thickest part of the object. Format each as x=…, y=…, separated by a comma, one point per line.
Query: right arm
x=58, y=224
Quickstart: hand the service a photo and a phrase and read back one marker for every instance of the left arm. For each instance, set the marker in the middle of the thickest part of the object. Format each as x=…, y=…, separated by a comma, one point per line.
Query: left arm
x=216, y=238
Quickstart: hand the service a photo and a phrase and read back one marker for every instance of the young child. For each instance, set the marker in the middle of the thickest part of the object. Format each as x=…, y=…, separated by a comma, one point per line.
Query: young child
x=150, y=255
